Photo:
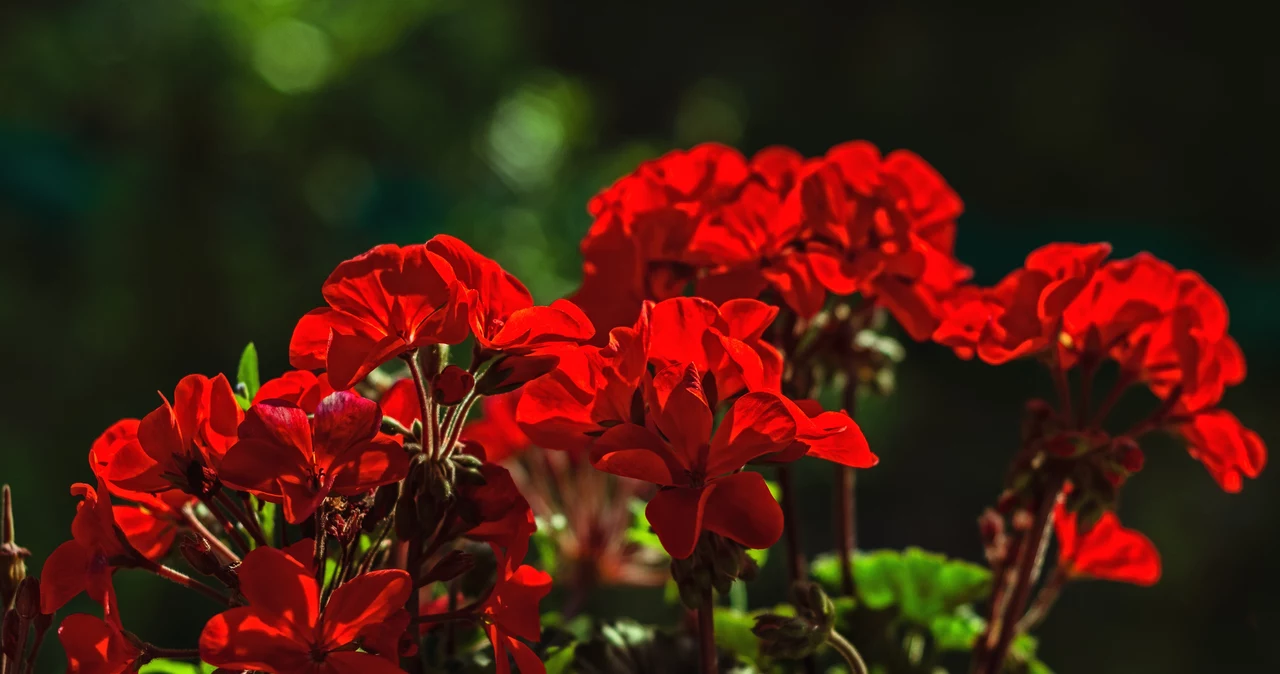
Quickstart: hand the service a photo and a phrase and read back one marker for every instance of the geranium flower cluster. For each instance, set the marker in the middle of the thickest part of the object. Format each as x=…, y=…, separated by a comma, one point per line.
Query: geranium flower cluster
x=352, y=516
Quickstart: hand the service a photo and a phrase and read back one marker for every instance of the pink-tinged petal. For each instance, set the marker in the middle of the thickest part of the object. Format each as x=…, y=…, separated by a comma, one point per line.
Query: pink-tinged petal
x=64, y=575
x=351, y=662
x=365, y=600
x=280, y=423
x=676, y=514
x=366, y=466
x=343, y=420
x=279, y=586
x=256, y=466
x=757, y=424
x=248, y=638
x=741, y=508
x=628, y=450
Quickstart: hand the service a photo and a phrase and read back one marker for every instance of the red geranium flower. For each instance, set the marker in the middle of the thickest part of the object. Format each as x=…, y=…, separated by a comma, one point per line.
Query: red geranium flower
x=639, y=247
x=1230, y=451
x=284, y=457
x=496, y=430
x=300, y=387
x=511, y=611
x=282, y=629
x=884, y=227
x=1107, y=551
x=152, y=524
x=181, y=445
x=726, y=341
x=87, y=561
x=382, y=304
x=94, y=646
x=678, y=450
x=503, y=317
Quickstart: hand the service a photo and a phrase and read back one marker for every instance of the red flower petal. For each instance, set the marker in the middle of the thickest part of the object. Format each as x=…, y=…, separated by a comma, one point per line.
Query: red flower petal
x=675, y=514
x=741, y=508
x=365, y=600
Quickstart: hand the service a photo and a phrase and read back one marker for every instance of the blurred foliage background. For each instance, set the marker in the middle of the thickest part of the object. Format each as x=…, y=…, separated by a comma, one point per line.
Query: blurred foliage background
x=178, y=176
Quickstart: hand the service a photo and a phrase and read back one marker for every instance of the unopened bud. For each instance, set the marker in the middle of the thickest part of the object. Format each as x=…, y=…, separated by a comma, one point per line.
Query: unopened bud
x=13, y=557
x=452, y=565
x=1129, y=454
x=453, y=385
x=512, y=372
x=11, y=634
x=716, y=563
x=199, y=554
x=995, y=543
x=27, y=603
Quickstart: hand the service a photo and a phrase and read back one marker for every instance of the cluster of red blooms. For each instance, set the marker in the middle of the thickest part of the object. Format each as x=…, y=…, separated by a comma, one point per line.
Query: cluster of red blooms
x=389, y=491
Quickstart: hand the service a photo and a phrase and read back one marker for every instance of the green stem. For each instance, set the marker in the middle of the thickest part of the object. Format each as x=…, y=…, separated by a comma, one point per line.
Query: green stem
x=707, y=633
x=848, y=652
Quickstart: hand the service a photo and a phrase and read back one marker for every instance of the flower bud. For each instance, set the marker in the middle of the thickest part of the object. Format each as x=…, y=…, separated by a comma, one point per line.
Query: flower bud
x=13, y=558
x=199, y=554
x=512, y=372
x=27, y=603
x=11, y=634
x=716, y=563
x=452, y=565
x=995, y=543
x=1128, y=454
x=453, y=385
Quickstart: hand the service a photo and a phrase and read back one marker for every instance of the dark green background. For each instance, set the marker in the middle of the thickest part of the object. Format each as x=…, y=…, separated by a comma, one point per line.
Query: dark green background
x=177, y=177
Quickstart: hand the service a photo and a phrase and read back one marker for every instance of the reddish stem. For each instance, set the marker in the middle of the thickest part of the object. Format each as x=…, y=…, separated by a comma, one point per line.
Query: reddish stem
x=228, y=555
x=707, y=634
x=179, y=578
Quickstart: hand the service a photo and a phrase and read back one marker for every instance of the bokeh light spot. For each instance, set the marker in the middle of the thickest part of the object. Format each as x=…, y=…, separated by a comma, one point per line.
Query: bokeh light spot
x=292, y=56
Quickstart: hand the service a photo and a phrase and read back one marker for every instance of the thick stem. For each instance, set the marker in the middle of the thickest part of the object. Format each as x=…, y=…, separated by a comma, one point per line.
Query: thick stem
x=848, y=652
x=1044, y=600
x=175, y=576
x=846, y=506
x=425, y=405
x=707, y=633
x=237, y=538
x=791, y=530
x=228, y=555
x=1003, y=626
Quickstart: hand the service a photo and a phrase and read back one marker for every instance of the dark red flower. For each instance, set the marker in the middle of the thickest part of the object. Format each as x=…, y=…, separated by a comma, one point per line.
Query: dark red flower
x=284, y=457
x=678, y=450
x=152, y=524
x=884, y=227
x=639, y=247
x=1230, y=451
x=1107, y=551
x=382, y=304
x=496, y=430
x=505, y=518
x=511, y=613
x=282, y=629
x=503, y=317
x=181, y=445
x=87, y=561
x=300, y=387
x=95, y=646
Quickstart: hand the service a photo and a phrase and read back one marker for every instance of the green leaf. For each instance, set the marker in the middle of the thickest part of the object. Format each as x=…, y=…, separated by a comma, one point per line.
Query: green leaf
x=733, y=633
x=558, y=661
x=958, y=631
x=266, y=517
x=922, y=585
x=247, y=376
x=163, y=666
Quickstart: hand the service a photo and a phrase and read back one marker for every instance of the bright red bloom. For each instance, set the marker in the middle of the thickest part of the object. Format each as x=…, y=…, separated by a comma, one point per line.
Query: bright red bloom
x=152, y=525
x=1230, y=451
x=94, y=646
x=181, y=445
x=884, y=227
x=382, y=304
x=503, y=317
x=282, y=630
x=87, y=561
x=300, y=387
x=283, y=457
x=725, y=341
x=1108, y=551
x=639, y=247
x=678, y=450
x=400, y=402
x=496, y=430
x=511, y=611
